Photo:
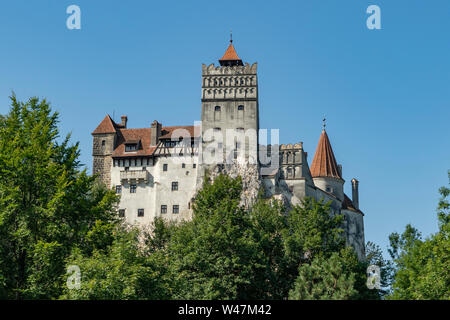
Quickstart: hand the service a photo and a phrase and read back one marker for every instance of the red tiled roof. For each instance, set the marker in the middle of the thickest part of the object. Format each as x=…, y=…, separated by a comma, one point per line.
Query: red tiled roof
x=133, y=135
x=130, y=136
x=230, y=54
x=348, y=204
x=106, y=126
x=177, y=131
x=324, y=164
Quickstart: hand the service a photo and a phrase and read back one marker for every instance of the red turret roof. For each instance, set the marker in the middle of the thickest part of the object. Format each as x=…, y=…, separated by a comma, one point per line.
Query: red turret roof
x=230, y=54
x=106, y=126
x=324, y=164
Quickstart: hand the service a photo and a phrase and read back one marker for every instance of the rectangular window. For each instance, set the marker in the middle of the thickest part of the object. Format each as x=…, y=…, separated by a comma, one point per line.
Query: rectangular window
x=140, y=212
x=175, y=208
x=183, y=165
x=133, y=188
x=121, y=213
x=165, y=167
x=131, y=147
x=163, y=208
x=118, y=189
x=174, y=186
x=194, y=165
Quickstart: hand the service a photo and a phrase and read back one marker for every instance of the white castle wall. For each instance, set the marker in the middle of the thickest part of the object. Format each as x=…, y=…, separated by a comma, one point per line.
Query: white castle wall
x=157, y=190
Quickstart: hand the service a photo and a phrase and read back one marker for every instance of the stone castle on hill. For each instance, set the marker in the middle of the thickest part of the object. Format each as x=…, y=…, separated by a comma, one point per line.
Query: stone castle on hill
x=158, y=170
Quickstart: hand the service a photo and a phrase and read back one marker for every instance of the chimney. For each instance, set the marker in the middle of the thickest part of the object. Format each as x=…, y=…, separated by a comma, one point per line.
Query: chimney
x=155, y=133
x=355, y=193
x=124, y=121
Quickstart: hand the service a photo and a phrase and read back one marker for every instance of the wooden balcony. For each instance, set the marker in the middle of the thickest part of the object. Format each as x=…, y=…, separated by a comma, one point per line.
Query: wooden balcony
x=134, y=176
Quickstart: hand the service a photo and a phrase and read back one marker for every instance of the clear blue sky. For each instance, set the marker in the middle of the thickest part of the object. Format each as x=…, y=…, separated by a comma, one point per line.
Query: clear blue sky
x=385, y=93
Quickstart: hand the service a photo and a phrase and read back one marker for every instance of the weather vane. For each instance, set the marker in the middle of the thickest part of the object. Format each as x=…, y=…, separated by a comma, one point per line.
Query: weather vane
x=231, y=36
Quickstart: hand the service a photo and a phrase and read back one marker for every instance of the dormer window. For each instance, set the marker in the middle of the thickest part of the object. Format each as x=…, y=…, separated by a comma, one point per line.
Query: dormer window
x=131, y=146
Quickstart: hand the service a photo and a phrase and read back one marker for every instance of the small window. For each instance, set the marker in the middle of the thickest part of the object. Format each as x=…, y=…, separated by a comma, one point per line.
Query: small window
x=121, y=213
x=174, y=186
x=240, y=130
x=241, y=107
x=165, y=167
x=216, y=129
x=328, y=189
x=183, y=165
x=175, y=209
x=163, y=208
x=140, y=212
x=131, y=147
x=118, y=189
x=194, y=165
x=217, y=108
x=133, y=188
x=103, y=143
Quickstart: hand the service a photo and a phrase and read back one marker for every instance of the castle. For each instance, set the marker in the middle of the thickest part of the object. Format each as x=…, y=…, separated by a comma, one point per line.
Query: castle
x=158, y=170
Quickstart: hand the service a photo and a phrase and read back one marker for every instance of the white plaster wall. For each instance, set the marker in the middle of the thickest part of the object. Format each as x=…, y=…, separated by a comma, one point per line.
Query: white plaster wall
x=158, y=190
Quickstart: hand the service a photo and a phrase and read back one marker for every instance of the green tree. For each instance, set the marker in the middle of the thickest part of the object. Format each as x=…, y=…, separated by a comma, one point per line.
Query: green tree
x=120, y=271
x=215, y=256
x=331, y=278
x=421, y=266
x=47, y=204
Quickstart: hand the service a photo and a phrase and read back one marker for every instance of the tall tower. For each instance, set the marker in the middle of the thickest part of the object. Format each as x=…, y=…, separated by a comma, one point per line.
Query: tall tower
x=230, y=115
x=104, y=140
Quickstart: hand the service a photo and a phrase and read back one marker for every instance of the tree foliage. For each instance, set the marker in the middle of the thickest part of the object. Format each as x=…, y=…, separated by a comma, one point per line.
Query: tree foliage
x=422, y=266
x=47, y=204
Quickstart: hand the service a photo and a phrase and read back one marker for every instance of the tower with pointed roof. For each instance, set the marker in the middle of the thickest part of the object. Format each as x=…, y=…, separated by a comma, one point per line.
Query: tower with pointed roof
x=325, y=171
x=104, y=141
x=230, y=105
